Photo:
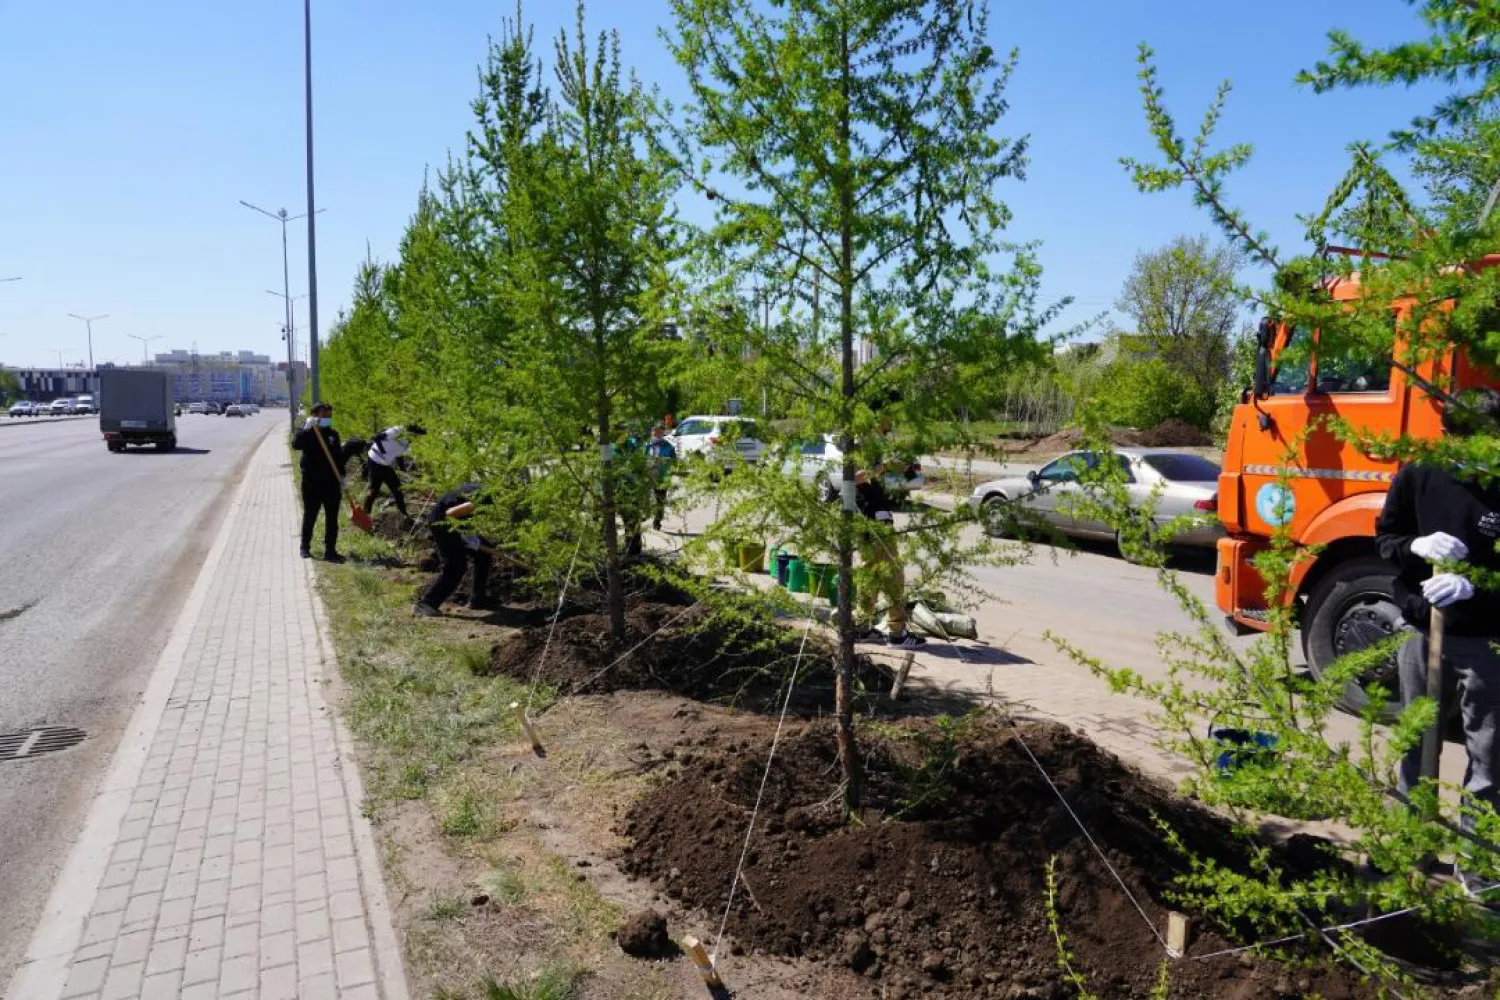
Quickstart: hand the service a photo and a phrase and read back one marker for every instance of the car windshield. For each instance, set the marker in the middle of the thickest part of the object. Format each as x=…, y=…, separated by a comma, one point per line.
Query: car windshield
x=1183, y=468
x=691, y=427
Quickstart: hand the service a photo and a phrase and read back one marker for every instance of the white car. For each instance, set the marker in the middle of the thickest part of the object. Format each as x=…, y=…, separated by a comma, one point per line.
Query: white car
x=25, y=408
x=821, y=463
x=61, y=406
x=84, y=404
x=702, y=436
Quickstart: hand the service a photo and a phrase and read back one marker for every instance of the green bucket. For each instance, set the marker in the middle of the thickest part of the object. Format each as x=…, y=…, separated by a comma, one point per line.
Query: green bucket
x=796, y=575
x=750, y=556
x=823, y=581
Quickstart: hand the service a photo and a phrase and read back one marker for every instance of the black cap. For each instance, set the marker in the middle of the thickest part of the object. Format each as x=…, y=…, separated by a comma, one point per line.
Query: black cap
x=321, y=406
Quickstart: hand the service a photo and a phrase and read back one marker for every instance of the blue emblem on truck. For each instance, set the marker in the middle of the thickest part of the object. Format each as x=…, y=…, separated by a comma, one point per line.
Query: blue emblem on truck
x=1275, y=504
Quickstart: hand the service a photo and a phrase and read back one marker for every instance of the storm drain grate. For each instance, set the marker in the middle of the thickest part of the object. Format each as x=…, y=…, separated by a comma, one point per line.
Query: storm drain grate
x=35, y=742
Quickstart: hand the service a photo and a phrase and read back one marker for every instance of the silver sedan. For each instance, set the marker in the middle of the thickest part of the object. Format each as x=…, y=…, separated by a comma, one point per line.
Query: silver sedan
x=1182, y=482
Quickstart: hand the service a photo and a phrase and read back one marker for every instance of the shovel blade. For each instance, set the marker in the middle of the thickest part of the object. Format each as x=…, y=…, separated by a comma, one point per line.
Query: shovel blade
x=361, y=519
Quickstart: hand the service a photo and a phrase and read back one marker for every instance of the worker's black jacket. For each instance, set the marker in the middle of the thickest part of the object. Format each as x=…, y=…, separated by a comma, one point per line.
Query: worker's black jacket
x=1423, y=501
x=317, y=472
x=438, y=515
x=870, y=496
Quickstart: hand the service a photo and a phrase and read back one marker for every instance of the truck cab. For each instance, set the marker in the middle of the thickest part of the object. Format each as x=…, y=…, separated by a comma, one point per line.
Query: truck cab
x=1333, y=491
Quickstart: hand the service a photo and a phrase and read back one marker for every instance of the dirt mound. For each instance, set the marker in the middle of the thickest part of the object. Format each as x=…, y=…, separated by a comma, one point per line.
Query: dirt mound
x=1175, y=433
x=644, y=935
x=941, y=890
x=1068, y=440
x=689, y=651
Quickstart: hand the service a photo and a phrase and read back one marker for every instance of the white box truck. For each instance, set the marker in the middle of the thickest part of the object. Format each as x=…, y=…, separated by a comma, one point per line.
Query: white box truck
x=136, y=407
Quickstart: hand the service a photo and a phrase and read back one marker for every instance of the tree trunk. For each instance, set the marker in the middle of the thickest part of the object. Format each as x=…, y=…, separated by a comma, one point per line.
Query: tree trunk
x=613, y=584
x=844, y=684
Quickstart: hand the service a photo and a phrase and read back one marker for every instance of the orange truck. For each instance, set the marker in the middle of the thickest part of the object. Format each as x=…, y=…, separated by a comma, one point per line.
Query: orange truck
x=1342, y=596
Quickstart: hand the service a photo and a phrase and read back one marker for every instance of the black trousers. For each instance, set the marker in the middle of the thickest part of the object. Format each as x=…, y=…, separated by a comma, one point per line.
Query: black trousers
x=384, y=475
x=325, y=497
x=456, y=557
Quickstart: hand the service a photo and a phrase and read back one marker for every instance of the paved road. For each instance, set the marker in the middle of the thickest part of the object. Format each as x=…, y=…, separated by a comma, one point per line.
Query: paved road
x=99, y=549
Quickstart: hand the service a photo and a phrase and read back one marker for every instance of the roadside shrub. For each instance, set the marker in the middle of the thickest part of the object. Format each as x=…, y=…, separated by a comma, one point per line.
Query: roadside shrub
x=1144, y=393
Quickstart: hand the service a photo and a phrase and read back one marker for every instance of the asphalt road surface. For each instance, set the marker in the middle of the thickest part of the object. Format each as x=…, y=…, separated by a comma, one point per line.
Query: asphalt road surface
x=97, y=552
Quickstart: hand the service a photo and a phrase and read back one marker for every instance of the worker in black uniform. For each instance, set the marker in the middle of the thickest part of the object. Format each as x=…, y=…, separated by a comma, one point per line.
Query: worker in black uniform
x=457, y=550
x=322, y=480
x=386, y=453
x=1434, y=523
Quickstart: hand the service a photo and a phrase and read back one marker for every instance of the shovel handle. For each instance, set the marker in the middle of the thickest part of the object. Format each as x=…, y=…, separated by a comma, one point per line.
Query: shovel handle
x=1432, y=743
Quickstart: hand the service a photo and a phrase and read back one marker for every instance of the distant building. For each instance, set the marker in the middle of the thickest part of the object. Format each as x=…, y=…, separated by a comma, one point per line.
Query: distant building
x=224, y=377
x=45, y=384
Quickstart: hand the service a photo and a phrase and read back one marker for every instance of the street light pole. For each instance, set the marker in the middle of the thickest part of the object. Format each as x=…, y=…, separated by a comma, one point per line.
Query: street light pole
x=89, y=322
x=289, y=333
x=312, y=239
x=282, y=217
x=144, y=341
x=3, y=280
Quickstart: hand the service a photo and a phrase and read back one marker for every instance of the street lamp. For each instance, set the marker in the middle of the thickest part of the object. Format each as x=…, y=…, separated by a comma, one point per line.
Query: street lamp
x=289, y=334
x=312, y=239
x=89, y=321
x=144, y=341
x=3, y=280
x=282, y=217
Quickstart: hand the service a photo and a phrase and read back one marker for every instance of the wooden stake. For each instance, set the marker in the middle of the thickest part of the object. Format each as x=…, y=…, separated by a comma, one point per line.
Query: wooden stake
x=1432, y=740
x=901, y=673
x=520, y=711
x=1177, y=933
x=705, y=965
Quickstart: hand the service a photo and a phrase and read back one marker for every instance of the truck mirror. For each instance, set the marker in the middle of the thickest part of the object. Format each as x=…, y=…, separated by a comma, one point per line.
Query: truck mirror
x=1264, y=338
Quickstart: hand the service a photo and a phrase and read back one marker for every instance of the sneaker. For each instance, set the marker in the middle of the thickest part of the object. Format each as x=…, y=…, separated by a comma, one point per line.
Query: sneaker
x=906, y=641
x=871, y=637
x=305, y=553
x=1478, y=888
x=334, y=557
x=424, y=610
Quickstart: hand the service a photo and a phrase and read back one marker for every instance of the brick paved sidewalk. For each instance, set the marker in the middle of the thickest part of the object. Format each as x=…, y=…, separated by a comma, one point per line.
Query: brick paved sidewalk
x=225, y=855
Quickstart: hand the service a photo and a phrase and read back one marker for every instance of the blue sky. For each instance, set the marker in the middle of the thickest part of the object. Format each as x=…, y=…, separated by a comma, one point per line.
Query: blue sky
x=129, y=133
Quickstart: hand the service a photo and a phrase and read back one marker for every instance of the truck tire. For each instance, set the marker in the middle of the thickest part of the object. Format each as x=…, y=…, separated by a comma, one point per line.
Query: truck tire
x=116, y=447
x=1351, y=608
x=170, y=444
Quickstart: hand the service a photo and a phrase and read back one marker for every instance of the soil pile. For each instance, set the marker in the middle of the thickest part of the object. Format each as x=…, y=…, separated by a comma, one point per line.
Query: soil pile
x=686, y=650
x=942, y=890
x=1072, y=438
x=1175, y=433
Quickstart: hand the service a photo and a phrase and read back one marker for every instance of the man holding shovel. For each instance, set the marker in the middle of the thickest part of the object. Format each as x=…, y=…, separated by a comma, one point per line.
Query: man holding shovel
x=322, y=480
x=1434, y=523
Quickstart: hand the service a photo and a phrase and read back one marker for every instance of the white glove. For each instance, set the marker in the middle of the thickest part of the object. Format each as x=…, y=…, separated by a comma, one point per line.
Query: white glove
x=1439, y=547
x=313, y=422
x=1447, y=588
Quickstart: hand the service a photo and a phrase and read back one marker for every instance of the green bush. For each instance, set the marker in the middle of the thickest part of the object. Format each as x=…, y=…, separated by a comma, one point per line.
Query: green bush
x=1143, y=393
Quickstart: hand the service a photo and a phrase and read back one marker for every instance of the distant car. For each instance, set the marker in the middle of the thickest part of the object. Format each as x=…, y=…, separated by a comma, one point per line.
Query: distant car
x=1187, y=483
x=821, y=464
x=84, y=404
x=212, y=408
x=703, y=436
x=197, y=406
x=61, y=406
x=235, y=410
x=25, y=408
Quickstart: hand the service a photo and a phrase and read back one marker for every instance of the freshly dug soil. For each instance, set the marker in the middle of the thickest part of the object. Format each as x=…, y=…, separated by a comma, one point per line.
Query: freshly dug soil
x=1067, y=440
x=644, y=935
x=685, y=650
x=941, y=890
x=1175, y=433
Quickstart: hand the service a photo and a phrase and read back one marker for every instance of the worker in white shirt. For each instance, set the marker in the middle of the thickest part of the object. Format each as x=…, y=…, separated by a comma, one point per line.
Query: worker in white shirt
x=389, y=445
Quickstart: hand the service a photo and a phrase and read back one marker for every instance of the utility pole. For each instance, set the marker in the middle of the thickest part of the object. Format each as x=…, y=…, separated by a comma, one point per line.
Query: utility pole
x=144, y=341
x=312, y=237
x=289, y=323
x=89, y=322
x=3, y=280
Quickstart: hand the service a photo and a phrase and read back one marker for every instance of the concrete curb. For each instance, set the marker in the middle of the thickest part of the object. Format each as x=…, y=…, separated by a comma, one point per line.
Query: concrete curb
x=48, y=420
x=389, y=962
x=42, y=973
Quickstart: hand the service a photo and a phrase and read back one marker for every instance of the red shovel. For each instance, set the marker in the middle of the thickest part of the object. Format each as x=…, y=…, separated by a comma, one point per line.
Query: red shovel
x=358, y=516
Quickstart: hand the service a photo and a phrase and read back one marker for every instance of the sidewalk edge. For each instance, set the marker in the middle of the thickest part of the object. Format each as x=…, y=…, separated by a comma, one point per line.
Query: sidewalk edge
x=389, y=955
x=43, y=969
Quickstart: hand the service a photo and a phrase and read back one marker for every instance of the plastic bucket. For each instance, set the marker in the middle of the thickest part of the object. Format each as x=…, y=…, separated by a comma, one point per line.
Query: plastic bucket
x=751, y=557
x=796, y=575
x=783, y=561
x=823, y=580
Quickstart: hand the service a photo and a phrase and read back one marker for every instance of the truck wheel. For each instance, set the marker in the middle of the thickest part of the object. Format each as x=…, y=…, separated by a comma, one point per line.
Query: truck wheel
x=115, y=447
x=1351, y=608
x=170, y=444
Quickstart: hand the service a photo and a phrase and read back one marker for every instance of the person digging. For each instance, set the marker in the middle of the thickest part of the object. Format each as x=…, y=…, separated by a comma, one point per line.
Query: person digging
x=381, y=462
x=322, y=480
x=881, y=555
x=457, y=551
x=1435, y=522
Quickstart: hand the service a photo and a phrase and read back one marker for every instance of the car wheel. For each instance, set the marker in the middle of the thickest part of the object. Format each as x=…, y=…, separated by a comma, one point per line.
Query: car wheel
x=826, y=492
x=1351, y=608
x=993, y=517
x=1135, y=558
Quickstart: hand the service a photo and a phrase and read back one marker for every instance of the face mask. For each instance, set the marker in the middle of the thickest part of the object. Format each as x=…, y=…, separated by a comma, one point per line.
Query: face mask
x=325, y=421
